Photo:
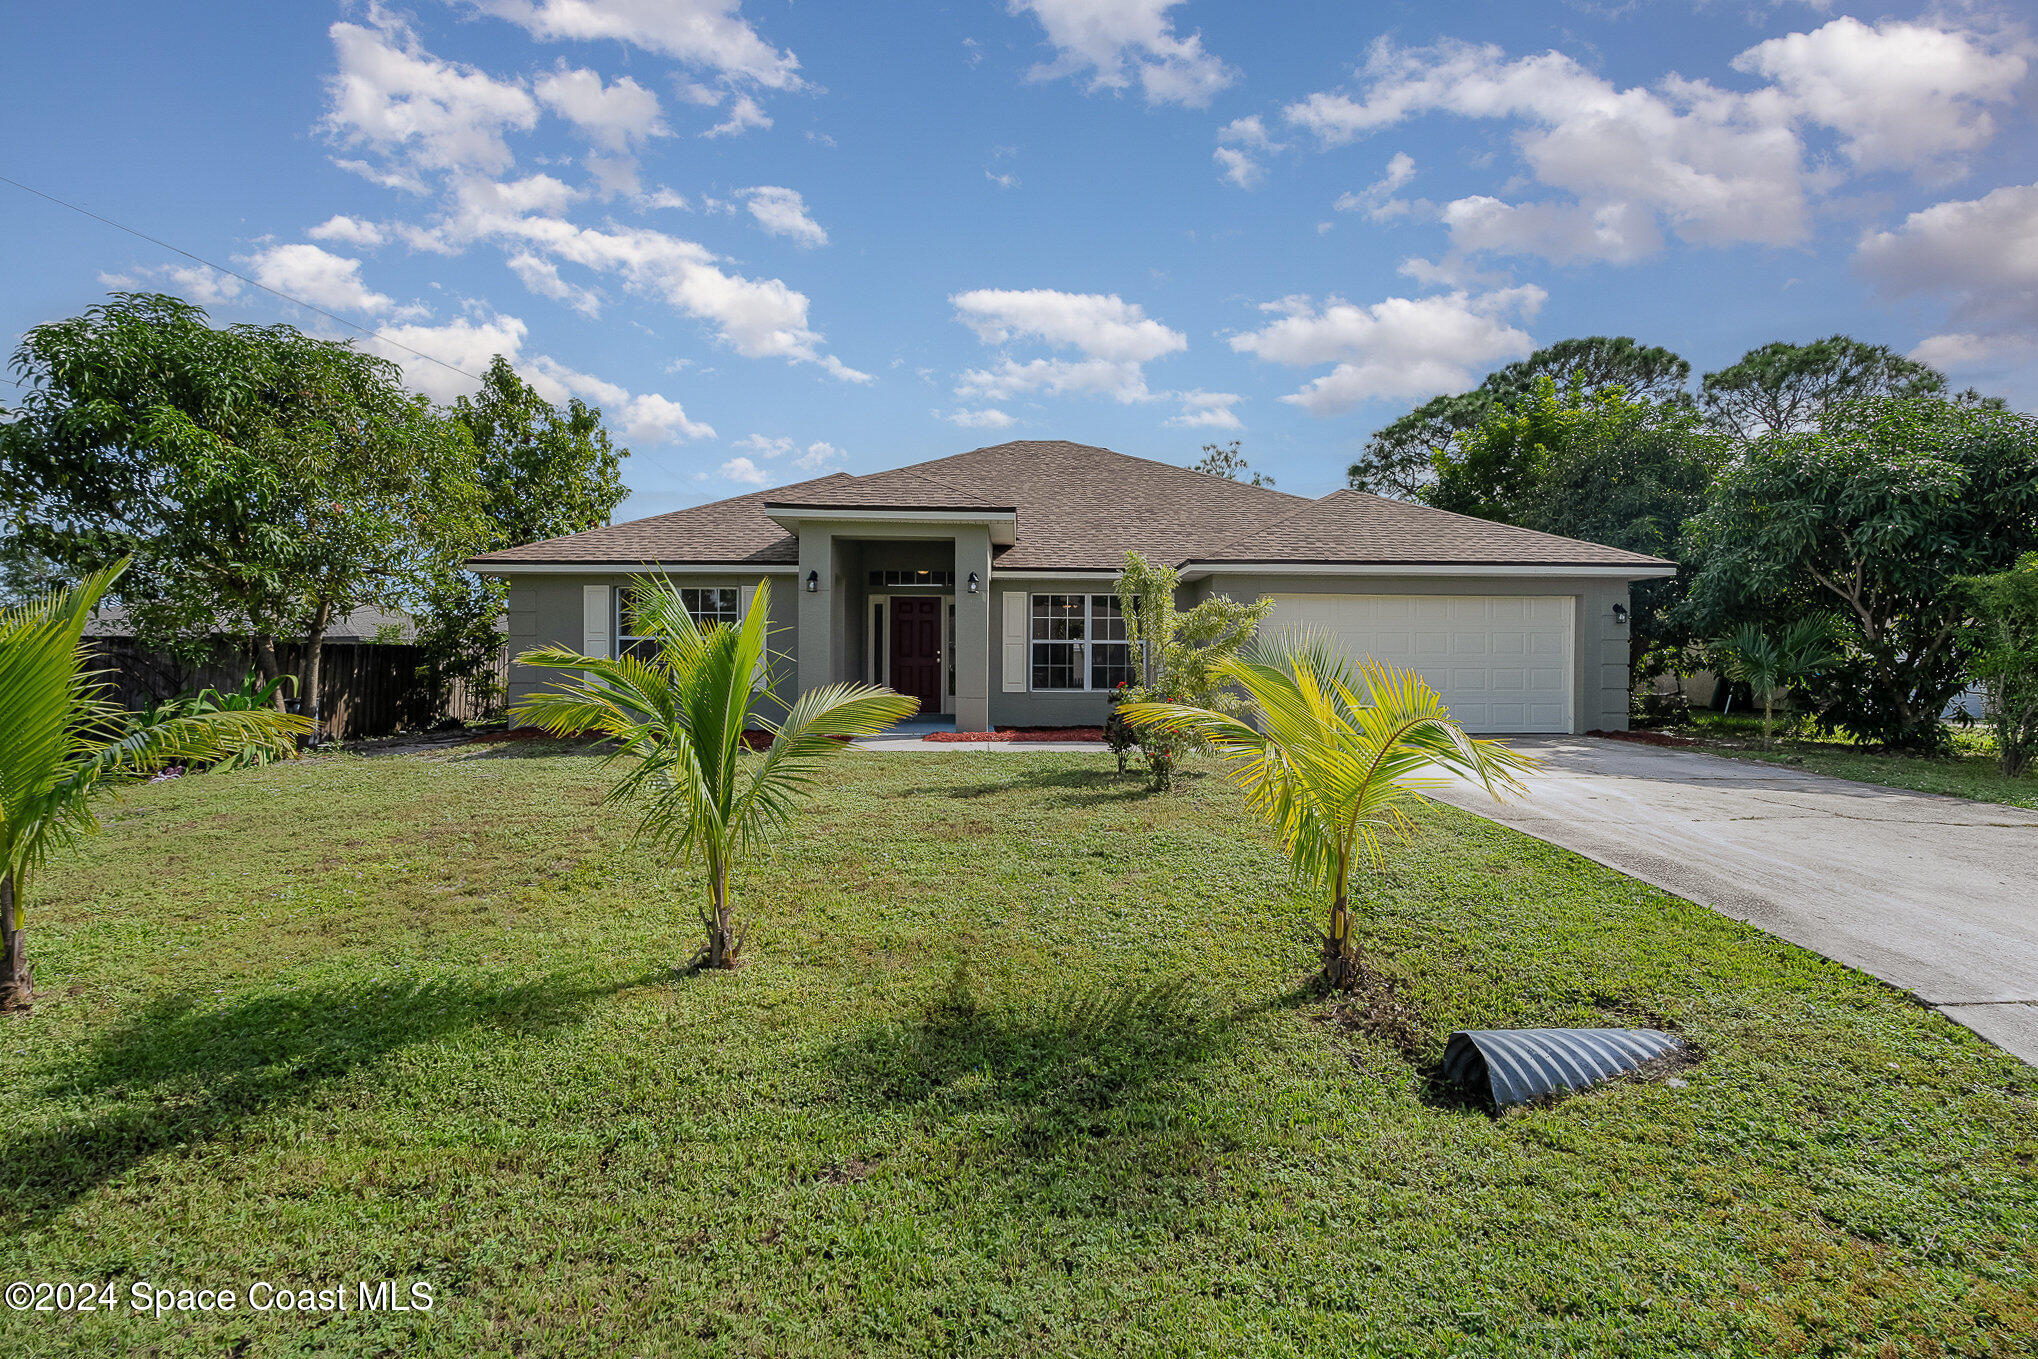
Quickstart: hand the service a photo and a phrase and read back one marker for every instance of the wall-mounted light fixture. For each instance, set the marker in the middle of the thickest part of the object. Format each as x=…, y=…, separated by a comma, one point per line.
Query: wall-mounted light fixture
x=974, y=584
x=1620, y=615
x=813, y=582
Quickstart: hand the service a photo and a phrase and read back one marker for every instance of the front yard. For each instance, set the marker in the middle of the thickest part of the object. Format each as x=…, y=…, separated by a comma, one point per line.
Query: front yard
x=1021, y=1065
x=1970, y=770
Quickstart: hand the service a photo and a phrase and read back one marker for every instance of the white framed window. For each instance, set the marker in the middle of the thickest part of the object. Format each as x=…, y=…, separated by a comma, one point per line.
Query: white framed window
x=708, y=605
x=1078, y=642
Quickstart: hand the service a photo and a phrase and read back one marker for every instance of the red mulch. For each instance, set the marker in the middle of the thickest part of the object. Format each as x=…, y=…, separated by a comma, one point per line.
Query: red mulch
x=1648, y=738
x=1021, y=734
x=761, y=740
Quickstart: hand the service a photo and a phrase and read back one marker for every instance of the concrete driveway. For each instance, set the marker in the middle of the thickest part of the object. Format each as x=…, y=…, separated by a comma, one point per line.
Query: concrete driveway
x=1936, y=895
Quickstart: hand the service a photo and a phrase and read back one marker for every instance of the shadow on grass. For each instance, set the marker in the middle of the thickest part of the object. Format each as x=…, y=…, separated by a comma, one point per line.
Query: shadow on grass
x=1086, y=1064
x=179, y=1074
x=1063, y=787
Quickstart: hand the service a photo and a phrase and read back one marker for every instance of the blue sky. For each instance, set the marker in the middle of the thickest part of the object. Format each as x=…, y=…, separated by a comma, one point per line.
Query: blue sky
x=770, y=239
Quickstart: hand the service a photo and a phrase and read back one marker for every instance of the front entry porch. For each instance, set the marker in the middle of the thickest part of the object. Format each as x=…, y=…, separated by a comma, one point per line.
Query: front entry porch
x=905, y=604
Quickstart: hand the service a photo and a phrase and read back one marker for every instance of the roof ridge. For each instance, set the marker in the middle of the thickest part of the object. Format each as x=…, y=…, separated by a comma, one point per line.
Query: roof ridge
x=1305, y=507
x=1129, y=457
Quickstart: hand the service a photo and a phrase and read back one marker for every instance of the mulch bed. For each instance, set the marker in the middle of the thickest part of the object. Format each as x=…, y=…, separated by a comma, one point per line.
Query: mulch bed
x=1021, y=734
x=489, y=738
x=1648, y=738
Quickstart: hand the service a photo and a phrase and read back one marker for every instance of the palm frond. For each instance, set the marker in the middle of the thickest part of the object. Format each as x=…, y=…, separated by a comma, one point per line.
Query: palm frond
x=1339, y=751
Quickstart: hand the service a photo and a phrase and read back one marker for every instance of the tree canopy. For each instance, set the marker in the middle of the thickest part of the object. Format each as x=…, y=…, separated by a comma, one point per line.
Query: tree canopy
x=263, y=481
x=540, y=472
x=1878, y=510
x=1398, y=459
x=1596, y=465
x=266, y=482
x=1785, y=388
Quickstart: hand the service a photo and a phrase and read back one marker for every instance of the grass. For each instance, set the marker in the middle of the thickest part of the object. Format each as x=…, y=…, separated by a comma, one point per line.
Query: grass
x=1970, y=771
x=1022, y=1065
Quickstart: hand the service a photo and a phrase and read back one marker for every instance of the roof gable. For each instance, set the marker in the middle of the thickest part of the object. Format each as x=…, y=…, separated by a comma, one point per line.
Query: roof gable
x=1080, y=508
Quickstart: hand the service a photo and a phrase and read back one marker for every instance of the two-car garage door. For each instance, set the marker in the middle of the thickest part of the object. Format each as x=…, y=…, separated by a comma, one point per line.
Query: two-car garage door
x=1502, y=663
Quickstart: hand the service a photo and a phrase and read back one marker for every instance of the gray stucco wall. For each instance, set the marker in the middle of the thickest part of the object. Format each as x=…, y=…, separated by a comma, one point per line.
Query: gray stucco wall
x=1086, y=708
x=1599, y=663
x=549, y=609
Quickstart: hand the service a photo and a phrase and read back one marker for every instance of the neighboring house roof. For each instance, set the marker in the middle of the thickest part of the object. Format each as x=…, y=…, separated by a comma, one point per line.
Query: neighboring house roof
x=1079, y=508
x=362, y=625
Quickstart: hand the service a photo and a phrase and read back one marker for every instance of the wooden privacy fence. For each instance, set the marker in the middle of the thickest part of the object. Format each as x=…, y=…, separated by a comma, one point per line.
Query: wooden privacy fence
x=365, y=688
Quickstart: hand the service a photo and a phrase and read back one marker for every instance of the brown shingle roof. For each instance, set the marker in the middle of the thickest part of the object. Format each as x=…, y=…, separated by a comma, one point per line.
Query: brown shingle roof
x=1352, y=526
x=901, y=488
x=1082, y=508
x=733, y=531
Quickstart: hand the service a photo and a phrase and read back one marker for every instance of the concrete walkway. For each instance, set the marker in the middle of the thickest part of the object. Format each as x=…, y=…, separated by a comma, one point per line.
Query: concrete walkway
x=1936, y=895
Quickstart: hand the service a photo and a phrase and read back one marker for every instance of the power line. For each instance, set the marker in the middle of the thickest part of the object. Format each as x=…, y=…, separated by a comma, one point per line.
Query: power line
x=233, y=273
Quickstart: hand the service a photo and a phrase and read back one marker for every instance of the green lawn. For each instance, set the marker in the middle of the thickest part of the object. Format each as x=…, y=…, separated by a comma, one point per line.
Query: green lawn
x=1971, y=771
x=1022, y=1064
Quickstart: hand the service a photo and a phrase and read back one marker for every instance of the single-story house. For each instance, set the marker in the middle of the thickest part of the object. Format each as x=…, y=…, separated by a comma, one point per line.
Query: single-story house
x=981, y=584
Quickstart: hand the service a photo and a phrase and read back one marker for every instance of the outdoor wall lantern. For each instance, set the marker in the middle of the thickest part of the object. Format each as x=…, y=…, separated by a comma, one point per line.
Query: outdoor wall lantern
x=1620, y=613
x=974, y=583
x=813, y=582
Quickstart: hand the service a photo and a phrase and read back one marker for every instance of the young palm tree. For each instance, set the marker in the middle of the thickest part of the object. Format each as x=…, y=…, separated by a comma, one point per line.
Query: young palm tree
x=65, y=744
x=678, y=718
x=1335, y=761
x=1768, y=662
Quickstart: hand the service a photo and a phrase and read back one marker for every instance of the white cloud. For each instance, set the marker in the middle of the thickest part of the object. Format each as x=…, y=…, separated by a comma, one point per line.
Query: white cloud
x=1240, y=144
x=1005, y=180
x=815, y=457
x=641, y=418
x=1563, y=233
x=782, y=212
x=1406, y=348
x=614, y=176
x=309, y=274
x=393, y=97
x=1719, y=166
x=541, y=276
x=819, y=456
x=1117, y=42
x=1710, y=165
x=758, y=318
x=744, y=114
x=1901, y=95
x=402, y=179
x=744, y=472
x=1115, y=339
x=617, y=116
x=1981, y=253
x=349, y=231
x=709, y=35
x=988, y=418
x=466, y=343
x=435, y=122
x=1101, y=325
x=1207, y=410
x=763, y=446
x=1377, y=199
x=1966, y=351
x=194, y=283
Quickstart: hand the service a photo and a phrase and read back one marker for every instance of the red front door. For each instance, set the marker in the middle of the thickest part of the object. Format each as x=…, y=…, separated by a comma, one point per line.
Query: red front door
x=916, y=650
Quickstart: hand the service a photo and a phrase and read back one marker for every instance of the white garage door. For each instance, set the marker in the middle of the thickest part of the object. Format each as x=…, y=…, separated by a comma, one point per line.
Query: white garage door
x=1501, y=662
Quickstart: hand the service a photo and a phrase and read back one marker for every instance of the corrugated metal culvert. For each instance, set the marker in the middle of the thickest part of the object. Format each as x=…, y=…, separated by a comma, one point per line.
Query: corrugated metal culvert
x=1514, y=1066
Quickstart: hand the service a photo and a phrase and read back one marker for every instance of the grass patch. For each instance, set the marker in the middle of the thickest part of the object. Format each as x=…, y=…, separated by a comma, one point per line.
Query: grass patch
x=1022, y=1064
x=1970, y=771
